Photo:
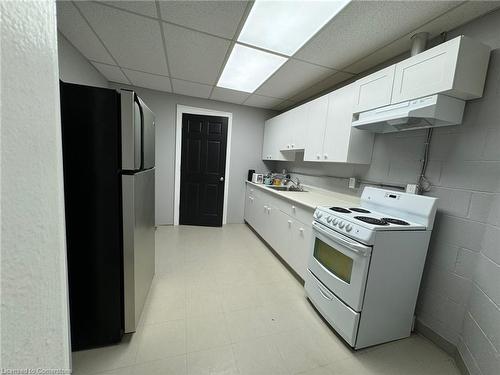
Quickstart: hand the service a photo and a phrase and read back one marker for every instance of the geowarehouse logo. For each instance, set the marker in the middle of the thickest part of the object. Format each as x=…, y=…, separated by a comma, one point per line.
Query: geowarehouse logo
x=15, y=371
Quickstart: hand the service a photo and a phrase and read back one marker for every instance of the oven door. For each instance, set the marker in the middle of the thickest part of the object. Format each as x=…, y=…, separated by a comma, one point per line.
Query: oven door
x=341, y=264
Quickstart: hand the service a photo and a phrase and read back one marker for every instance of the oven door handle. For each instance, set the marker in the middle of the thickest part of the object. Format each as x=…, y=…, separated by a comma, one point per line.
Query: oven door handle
x=323, y=293
x=351, y=245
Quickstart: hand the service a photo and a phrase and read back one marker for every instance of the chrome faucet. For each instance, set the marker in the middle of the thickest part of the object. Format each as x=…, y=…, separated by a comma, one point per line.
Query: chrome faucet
x=298, y=186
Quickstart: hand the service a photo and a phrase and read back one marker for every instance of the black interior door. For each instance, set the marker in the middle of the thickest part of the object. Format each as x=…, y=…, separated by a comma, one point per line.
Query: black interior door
x=203, y=166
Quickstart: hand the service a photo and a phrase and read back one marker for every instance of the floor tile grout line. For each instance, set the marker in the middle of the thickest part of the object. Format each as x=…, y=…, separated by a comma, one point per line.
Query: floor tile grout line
x=273, y=331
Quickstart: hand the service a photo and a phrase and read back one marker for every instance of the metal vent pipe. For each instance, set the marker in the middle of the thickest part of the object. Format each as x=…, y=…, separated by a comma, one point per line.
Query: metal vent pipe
x=418, y=43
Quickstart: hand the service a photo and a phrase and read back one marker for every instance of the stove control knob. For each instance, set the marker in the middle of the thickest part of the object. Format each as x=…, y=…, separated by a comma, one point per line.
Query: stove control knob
x=341, y=224
x=335, y=221
x=318, y=215
x=329, y=219
x=348, y=227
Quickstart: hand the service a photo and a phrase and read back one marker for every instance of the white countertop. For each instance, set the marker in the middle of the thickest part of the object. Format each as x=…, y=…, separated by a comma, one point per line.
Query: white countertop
x=313, y=197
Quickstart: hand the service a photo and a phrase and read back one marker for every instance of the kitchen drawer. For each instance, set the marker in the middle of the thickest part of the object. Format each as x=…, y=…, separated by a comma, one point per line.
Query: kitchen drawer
x=344, y=320
x=251, y=190
x=294, y=210
x=300, y=213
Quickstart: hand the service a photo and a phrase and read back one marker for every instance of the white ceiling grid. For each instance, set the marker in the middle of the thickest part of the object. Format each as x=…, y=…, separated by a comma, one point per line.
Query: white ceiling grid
x=182, y=46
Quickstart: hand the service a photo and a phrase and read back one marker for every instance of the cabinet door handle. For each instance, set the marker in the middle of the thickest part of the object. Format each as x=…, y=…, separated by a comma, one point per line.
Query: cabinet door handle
x=293, y=208
x=318, y=156
x=289, y=222
x=326, y=156
x=301, y=230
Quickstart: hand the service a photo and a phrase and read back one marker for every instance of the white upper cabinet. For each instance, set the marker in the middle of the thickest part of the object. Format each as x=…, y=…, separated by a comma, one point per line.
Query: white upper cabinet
x=267, y=148
x=331, y=138
x=298, y=128
x=322, y=129
x=275, y=138
x=338, y=124
x=374, y=91
x=284, y=134
x=317, y=111
x=456, y=68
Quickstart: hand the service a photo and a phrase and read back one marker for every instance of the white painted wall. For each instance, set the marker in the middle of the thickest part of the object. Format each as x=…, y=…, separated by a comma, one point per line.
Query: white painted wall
x=460, y=293
x=246, y=147
x=74, y=67
x=34, y=310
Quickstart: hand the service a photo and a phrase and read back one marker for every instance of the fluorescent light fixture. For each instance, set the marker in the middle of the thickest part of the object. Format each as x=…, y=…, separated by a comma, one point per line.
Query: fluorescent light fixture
x=247, y=68
x=284, y=26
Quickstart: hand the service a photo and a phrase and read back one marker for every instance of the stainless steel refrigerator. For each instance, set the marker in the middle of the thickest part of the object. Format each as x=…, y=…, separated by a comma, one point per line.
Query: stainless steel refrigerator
x=109, y=176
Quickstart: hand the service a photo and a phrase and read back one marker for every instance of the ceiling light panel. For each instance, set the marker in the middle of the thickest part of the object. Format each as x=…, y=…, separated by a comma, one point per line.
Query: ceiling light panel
x=247, y=68
x=285, y=26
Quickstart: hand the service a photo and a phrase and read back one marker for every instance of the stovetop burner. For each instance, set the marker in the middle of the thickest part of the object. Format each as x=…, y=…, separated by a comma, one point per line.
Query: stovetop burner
x=362, y=210
x=340, y=209
x=391, y=220
x=371, y=220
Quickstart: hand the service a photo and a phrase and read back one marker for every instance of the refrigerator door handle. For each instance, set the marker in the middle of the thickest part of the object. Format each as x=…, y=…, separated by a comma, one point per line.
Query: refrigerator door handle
x=148, y=136
x=131, y=131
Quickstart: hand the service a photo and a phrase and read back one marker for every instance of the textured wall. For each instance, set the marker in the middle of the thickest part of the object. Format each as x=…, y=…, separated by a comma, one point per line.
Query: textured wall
x=34, y=311
x=460, y=293
x=74, y=67
x=246, y=148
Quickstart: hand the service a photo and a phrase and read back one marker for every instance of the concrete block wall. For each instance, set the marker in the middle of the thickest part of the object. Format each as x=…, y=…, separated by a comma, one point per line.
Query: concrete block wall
x=460, y=292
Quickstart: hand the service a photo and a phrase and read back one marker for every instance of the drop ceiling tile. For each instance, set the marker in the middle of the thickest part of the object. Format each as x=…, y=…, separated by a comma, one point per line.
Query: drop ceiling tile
x=111, y=72
x=144, y=7
x=262, y=101
x=365, y=26
x=191, y=88
x=194, y=56
x=134, y=41
x=149, y=81
x=285, y=104
x=71, y=23
x=325, y=84
x=380, y=56
x=228, y=95
x=450, y=20
x=215, y=17
x=293, y=77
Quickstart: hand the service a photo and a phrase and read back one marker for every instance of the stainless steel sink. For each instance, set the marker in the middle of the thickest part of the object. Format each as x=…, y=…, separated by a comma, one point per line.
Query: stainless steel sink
x=287, y=188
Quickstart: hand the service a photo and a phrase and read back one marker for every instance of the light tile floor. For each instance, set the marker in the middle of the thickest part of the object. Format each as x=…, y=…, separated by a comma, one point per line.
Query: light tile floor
x=222, y=303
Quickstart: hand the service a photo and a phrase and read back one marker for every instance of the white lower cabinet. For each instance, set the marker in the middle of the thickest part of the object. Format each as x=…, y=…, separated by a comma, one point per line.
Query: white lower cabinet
x=275, y=220
x=278, y=233
x=301, y=239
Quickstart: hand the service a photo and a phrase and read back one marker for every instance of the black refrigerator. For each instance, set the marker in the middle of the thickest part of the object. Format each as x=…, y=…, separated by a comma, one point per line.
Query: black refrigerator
x=108, y=139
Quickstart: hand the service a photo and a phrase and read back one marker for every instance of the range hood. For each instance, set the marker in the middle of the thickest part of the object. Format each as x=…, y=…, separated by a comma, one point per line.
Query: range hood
x=431, y=111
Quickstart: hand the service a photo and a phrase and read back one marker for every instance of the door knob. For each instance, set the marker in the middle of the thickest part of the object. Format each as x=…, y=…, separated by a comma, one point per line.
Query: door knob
x=221, y=179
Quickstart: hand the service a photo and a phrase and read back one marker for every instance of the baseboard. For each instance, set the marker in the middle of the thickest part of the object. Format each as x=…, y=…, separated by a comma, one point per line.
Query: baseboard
x=442, y=343
x=274, y=252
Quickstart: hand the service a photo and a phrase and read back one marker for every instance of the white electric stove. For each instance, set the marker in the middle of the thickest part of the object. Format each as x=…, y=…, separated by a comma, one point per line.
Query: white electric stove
x=366, y=264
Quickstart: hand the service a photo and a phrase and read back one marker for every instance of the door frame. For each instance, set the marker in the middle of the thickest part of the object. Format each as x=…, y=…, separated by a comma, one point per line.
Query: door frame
x=181, y=110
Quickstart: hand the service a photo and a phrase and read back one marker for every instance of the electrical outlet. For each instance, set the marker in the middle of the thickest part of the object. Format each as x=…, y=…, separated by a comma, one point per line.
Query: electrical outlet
x=412, y=188
x=352, y=183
